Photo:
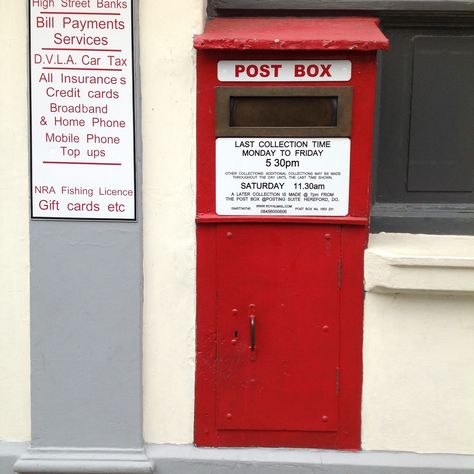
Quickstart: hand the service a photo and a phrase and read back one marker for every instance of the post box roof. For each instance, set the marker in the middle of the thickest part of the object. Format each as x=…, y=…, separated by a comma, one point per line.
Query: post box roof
x=352, y=33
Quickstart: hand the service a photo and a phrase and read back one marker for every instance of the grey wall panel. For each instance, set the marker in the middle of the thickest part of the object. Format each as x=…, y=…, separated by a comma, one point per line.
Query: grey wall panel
x=86, y=296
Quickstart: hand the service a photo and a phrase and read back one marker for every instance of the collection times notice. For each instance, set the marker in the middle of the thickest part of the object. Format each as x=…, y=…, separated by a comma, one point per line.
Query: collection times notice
x=282, y=176
x=82, y=123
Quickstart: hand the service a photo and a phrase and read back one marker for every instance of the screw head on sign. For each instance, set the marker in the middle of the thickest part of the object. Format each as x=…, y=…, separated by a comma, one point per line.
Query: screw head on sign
x=324, y=418
x=325, y=328
x=229, y=416
x=229, y=235
x=235, y=311
x=327, y=236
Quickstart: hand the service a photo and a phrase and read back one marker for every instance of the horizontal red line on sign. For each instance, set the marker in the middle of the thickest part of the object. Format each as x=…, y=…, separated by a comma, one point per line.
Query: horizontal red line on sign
x=80, y=69
x=79, y=13
x=79, y=163
x=83, y=49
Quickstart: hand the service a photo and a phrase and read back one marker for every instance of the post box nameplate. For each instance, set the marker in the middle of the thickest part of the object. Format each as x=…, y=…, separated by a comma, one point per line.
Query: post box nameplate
x=284, y=71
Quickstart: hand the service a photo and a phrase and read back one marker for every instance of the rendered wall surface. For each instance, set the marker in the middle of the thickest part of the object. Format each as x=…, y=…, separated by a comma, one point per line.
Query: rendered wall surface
x=14, y=211
x=168, y=124
x=418, y=388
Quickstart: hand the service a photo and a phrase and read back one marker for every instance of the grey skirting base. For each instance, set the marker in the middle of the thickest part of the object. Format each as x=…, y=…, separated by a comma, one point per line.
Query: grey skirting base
x=185, y=459
x=84, y=461
x=188, y=459
x=9, y=453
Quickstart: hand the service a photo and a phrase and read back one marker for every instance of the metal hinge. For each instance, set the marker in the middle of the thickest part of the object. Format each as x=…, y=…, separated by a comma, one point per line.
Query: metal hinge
x=339, y=274
x=337, y=381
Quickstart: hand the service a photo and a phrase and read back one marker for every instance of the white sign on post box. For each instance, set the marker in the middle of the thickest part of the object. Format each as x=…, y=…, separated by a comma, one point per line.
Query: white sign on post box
x=282, y=176
x=82, y=121
x=284, y=71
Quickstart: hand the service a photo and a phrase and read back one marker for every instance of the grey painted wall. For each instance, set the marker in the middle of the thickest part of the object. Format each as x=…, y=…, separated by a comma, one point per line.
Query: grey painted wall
x=86, y=296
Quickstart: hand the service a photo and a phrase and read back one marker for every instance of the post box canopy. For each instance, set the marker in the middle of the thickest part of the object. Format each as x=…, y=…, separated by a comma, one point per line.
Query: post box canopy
x=277, y=34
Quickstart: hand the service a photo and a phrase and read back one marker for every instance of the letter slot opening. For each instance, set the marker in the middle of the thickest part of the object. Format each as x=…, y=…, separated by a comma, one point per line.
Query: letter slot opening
x=283, y=111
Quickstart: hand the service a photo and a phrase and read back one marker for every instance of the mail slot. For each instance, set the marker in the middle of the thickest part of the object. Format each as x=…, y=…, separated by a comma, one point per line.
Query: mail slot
x=283, y=111
x=284, y=138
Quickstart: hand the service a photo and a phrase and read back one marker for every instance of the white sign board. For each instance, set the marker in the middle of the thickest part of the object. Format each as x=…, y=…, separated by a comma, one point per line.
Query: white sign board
x=284, y=71
x=282, y=176
x=82, y=123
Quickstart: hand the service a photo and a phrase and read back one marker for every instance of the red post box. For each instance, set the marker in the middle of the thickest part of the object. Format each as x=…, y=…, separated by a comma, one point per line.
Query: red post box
x=284, y=142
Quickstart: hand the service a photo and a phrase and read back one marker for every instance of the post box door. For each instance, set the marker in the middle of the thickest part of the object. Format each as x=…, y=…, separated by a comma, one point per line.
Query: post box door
x=277, y=326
